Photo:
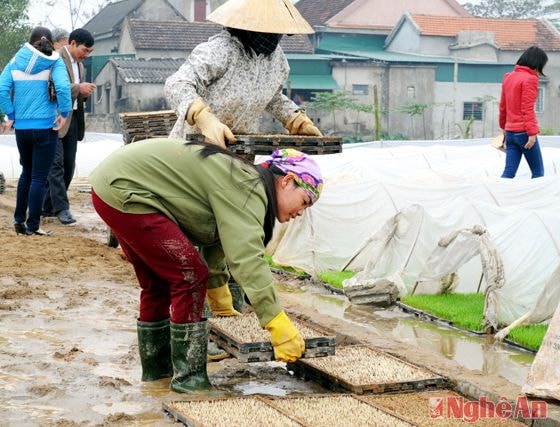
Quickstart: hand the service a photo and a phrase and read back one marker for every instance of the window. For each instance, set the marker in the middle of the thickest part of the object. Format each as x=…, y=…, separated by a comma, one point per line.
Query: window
x=411, y=92
x=360, y=89
x=472, y=109
x=539, y=105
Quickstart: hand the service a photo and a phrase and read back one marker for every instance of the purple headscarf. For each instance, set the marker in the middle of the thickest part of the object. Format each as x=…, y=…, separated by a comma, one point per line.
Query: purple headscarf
x=305, y=170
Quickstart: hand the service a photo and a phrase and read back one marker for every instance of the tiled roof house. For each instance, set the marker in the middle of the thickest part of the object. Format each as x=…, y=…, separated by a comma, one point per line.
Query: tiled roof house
x=492, y=39
x=175, y=39
x=371, y=14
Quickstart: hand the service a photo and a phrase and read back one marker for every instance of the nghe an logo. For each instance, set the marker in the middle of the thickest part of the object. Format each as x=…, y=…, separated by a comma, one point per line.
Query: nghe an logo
x=456, y=407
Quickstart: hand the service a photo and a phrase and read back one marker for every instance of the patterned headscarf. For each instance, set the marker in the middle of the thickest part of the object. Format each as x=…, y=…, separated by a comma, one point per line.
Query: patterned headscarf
x=305, y=170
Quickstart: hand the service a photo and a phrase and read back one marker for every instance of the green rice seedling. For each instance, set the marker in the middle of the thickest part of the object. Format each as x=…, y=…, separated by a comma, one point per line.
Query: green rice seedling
x=530, y=336
x=287, y=268
x=463, y=310
x=335, y=278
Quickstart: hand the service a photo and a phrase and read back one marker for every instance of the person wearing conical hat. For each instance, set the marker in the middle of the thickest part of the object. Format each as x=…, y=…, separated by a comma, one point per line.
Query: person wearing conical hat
x=229, y=81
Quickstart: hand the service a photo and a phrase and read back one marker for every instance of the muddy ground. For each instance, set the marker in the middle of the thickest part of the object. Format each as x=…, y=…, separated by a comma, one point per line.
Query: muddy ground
x=68, y=350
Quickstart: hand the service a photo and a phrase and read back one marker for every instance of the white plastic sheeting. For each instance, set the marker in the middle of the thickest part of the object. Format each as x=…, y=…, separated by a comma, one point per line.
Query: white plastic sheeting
x=365, y=187
x=94, y=148
x=387, y=209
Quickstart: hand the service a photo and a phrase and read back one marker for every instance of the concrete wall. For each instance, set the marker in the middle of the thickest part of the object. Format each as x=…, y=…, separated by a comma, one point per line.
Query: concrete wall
x=157, y=10
x=410, y=85
x=448, y=120
x=407, y=39
x=104, y=45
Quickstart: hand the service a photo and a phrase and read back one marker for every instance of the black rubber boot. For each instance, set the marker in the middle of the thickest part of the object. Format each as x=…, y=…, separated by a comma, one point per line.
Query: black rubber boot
x=237, y=295
x=154, y=344
x=206, y=312
x=189, y=342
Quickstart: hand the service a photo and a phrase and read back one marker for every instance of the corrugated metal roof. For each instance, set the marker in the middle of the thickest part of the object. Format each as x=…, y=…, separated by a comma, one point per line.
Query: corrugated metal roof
x=133, y=70
x=509, y=34
x=184, y=36
x=111, y=15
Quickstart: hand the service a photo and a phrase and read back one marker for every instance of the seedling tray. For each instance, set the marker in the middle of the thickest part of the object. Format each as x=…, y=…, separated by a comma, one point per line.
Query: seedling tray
x=326, y=410
x=361, y=369
x=318, y=345
x=246, y=411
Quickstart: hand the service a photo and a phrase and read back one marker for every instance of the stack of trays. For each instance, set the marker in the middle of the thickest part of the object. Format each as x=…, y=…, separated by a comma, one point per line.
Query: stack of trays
x=244, y=338
x=144, y=125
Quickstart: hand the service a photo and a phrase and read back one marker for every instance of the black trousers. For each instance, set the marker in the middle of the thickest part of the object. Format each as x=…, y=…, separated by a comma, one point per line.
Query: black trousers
x=62, y=171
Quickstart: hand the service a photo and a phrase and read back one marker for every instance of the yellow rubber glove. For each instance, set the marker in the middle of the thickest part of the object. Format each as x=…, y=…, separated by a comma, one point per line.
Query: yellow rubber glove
x=214, y=130
x=286, y=339
x=300, y=124
x=221, y=302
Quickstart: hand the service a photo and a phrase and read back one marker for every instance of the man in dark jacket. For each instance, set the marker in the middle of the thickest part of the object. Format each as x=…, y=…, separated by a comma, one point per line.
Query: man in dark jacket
x=79, y=47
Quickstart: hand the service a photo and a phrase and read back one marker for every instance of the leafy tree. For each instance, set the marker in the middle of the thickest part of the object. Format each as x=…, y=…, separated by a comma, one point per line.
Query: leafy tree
x=415, y=109
x=517, y=9
x=15, y=30
x=330, y=102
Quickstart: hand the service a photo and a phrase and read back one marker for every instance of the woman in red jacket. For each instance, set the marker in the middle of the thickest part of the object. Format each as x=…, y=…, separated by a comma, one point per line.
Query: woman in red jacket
x=520, y=90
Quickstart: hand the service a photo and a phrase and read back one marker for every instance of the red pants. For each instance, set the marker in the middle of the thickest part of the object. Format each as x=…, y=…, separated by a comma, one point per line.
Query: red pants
x=171, y=273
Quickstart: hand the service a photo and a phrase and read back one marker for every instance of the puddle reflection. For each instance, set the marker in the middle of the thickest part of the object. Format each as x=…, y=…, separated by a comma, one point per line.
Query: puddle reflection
x=473, y=352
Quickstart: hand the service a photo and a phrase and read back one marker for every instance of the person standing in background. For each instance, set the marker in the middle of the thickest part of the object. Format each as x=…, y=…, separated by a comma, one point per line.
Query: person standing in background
x=520, y=90
x=24, y=97
x=60, y=38
x=79, y=47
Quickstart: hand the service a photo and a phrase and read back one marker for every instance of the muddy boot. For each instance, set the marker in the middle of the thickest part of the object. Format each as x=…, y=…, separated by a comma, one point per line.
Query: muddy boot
x=237, y=295
x=206, y=312
x=215, y=353
x=189, y=342
x=154, y=344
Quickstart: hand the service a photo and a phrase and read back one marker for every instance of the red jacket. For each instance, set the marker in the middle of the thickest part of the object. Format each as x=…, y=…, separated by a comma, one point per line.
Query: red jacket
x=520, y=90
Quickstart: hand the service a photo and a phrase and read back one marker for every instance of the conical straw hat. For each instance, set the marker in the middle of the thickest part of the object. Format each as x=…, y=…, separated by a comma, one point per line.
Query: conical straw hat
x=263, y=16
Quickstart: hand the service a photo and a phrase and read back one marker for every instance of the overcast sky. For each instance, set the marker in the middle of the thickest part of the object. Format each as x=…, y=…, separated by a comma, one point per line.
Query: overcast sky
x=59, y=16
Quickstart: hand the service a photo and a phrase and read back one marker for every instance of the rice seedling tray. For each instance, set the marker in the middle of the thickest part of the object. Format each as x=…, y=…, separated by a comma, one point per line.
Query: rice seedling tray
x=245, y=411
x=243, y=337
x=342, y=410
x=424, y=315
x=362, y=369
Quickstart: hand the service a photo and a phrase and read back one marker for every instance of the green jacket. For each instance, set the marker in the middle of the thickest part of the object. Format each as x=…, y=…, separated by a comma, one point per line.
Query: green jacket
x=218, y=202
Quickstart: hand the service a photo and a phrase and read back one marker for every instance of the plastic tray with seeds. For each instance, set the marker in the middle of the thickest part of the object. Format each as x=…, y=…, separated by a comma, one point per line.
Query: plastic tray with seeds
x=326, y=410
x=247, y=411
x=431, y=409
x=361, y=369
x=244, y=338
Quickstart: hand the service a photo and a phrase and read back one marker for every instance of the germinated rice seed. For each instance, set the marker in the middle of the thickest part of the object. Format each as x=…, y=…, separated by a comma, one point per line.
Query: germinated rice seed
x=417, y=406
x=246, y=328
x=232, y=412
x=361, y=365
x=337, y=411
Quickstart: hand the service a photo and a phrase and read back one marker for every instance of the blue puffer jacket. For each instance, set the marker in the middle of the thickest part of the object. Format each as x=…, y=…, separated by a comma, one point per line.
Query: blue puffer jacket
x=27, y=75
